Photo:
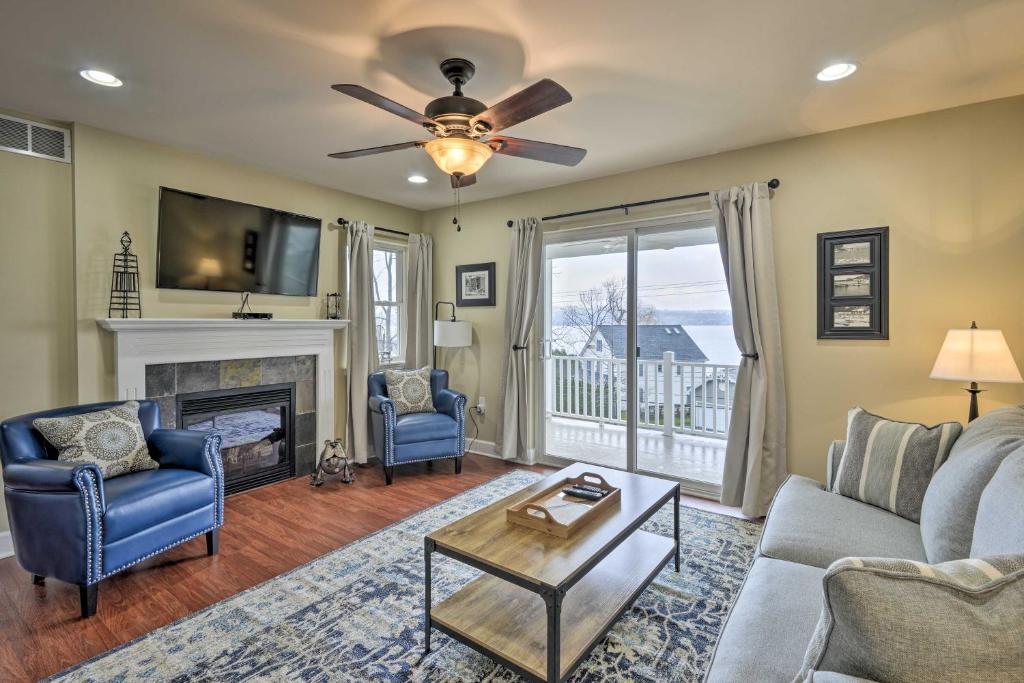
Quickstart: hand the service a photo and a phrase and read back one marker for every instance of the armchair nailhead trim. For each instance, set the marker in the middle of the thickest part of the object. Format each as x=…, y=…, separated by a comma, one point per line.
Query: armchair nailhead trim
x=211, y=450
x=460, y=410
x=158, y=551
x=387, y=408
x=85, y=480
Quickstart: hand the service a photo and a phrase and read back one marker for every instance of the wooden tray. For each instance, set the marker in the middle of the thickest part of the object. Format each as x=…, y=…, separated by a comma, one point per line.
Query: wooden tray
x=552, y=512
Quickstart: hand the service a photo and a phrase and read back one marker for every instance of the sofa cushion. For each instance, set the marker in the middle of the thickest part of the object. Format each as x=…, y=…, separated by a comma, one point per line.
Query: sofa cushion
x=889, y=464
x=810, y=525
x=417, y=427
x=410, y=390
x=768, y=629
x=999, y=526
x=139, y=501
x=110, y=438
x=892, y=620
x=951, y=502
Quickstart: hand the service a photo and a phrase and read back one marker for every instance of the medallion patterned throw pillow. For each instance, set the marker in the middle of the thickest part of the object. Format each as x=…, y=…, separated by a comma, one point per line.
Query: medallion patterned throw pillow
x=898, y=620
x=889, y=464
x=112, y=439
x=410, y=390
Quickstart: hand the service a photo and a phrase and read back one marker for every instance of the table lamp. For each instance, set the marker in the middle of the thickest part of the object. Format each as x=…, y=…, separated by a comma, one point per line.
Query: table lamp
x=974, y=355
x=451, y=333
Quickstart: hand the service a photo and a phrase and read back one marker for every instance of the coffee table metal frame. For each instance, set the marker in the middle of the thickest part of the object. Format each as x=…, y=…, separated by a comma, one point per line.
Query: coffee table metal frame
x=552, y=595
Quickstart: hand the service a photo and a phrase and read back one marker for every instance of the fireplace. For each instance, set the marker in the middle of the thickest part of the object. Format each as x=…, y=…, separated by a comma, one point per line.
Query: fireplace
x=257, y=428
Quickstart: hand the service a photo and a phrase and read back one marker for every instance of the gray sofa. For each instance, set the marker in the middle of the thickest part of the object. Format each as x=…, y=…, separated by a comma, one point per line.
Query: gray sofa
x=808, y=528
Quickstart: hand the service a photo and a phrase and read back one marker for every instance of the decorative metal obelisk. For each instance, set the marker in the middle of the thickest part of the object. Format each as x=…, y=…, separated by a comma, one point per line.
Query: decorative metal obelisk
x=124, y=283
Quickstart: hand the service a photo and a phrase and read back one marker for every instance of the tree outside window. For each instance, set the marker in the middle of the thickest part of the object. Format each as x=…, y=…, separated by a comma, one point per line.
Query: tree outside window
x=389, y=301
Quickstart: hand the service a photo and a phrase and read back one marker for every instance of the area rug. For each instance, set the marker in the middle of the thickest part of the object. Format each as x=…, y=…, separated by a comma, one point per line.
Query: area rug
x=356, y=614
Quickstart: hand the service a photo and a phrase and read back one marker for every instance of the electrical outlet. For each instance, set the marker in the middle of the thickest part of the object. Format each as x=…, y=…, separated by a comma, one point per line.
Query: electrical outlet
x=481, y=406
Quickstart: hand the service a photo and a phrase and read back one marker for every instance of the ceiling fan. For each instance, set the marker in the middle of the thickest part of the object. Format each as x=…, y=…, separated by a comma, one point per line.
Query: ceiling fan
x=464, y=128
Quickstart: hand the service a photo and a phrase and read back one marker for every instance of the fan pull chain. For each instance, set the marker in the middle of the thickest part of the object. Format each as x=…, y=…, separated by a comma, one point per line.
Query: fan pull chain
x=458, y=210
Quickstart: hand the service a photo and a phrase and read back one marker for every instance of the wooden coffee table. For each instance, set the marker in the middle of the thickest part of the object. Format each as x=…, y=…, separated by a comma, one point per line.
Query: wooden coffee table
x=585, y=582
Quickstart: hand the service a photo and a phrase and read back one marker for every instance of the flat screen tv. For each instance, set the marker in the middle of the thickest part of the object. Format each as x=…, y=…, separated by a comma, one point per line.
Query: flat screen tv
x=224, y=246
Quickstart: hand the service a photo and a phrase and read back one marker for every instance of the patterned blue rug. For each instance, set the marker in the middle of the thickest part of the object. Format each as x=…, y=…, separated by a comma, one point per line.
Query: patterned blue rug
x=356, y=614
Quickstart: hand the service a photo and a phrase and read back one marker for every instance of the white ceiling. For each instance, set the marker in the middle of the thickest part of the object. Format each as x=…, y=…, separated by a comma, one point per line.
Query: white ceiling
x=653, y=81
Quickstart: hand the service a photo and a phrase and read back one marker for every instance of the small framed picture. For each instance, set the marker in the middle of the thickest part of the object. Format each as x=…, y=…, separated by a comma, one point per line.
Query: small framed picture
x=851, y=317
x=851, y=254
x=853, y=284
x=474, y=285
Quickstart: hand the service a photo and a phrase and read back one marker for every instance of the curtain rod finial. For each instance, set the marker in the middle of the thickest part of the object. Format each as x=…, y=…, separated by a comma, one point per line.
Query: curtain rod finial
x=774, y=183
x=508, y=224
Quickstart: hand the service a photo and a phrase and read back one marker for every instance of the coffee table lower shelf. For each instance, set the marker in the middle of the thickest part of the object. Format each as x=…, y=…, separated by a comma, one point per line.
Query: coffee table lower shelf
x=500, y=618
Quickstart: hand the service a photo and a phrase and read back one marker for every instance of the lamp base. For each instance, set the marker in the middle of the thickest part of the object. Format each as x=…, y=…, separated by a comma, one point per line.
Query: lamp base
x=973, y=391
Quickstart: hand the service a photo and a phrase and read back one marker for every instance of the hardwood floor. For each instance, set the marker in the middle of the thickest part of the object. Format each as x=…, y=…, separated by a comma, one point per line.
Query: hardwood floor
x=268, y=531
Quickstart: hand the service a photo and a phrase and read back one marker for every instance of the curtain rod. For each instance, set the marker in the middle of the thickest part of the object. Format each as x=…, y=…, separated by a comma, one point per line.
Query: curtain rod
x=773, y=184
x=344, y=222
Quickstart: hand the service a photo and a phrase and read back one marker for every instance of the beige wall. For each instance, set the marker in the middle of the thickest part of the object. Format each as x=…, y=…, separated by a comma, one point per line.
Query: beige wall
x=947, y=183
x=37, y=338
x=116, y=189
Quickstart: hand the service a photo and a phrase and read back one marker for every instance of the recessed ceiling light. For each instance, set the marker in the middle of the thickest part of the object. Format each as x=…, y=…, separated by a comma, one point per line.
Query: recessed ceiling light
x=101, y=78
x=418, y=179
x=833, y=72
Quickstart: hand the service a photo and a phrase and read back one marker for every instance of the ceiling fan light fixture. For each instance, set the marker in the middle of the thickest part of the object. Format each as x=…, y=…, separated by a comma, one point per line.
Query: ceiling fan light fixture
x=458, y=156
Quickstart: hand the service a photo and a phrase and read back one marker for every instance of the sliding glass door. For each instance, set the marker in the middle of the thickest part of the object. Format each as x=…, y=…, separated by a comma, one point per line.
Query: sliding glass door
x=638, y=360
x=585, y=379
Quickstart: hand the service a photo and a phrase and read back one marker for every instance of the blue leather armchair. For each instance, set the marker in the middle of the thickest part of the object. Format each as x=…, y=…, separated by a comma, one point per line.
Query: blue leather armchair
x=70, y=524
x=417, y=437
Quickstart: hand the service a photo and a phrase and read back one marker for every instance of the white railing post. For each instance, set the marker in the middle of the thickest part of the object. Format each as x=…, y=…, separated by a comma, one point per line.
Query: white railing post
x=668, y=359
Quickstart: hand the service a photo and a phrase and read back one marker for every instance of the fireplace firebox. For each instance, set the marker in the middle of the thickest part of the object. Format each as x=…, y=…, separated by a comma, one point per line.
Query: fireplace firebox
x=257, y=428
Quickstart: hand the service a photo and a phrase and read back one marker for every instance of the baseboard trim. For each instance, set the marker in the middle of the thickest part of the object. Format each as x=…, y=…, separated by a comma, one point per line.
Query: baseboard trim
x=6, y=545
x=490, y=450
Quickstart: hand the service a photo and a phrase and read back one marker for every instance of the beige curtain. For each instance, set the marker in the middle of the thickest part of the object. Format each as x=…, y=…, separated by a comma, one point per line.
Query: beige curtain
x=521, y=300
x=362, y=338
x=755, y=457
x=419, y=324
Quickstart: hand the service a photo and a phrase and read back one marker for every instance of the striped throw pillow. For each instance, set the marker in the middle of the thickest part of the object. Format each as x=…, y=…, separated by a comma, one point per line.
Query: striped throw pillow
x=899, y=620
x=889, y=464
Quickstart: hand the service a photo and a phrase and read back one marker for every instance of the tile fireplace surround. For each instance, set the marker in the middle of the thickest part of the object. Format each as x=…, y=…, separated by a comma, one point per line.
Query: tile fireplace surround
x=165, y=381
x=302, y=349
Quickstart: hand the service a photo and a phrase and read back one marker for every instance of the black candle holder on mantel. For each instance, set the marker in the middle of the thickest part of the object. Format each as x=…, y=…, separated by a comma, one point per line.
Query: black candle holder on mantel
x=124, y=283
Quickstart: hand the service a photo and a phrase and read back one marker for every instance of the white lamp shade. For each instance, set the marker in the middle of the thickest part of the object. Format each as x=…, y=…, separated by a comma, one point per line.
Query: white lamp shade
x=453, y=333
x=975, y=355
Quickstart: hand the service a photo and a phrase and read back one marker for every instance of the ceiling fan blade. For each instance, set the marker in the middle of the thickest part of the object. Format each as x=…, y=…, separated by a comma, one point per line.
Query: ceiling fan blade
x=540, y=97
x=376, y=150
x=378, y=100
x=538, y=151
x=463, y=181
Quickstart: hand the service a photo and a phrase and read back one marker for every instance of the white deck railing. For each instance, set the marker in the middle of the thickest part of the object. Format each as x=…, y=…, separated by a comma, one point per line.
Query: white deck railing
x=699, y=394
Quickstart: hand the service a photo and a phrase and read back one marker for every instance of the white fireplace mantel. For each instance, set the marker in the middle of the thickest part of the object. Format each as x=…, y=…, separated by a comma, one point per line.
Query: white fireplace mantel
x=150, y=341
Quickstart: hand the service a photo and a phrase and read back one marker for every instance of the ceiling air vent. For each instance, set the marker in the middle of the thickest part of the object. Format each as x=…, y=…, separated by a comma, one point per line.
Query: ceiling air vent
x=35, y=139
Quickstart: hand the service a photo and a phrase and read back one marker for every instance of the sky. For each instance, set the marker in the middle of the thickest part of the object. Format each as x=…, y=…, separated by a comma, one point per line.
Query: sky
x=682, y=278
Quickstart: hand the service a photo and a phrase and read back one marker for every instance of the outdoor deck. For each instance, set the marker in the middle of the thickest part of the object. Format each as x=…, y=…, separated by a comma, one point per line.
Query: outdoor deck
x=697, y=458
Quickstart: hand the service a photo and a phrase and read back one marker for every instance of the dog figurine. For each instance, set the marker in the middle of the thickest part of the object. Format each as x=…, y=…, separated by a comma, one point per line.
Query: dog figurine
x=333, y=460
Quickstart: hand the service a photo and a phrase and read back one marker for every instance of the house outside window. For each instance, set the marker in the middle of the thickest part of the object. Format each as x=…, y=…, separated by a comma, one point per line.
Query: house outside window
x=389, y=301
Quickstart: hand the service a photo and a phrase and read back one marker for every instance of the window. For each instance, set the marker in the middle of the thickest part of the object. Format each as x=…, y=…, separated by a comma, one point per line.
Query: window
x=389, y=301
x=600, y=345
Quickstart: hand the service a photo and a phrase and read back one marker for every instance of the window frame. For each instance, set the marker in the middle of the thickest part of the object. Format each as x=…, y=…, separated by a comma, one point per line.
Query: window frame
x=401, y=259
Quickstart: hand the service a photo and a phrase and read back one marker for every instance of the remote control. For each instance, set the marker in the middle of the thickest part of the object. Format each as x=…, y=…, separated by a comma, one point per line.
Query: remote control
x=580, y=493
x=588, y=487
